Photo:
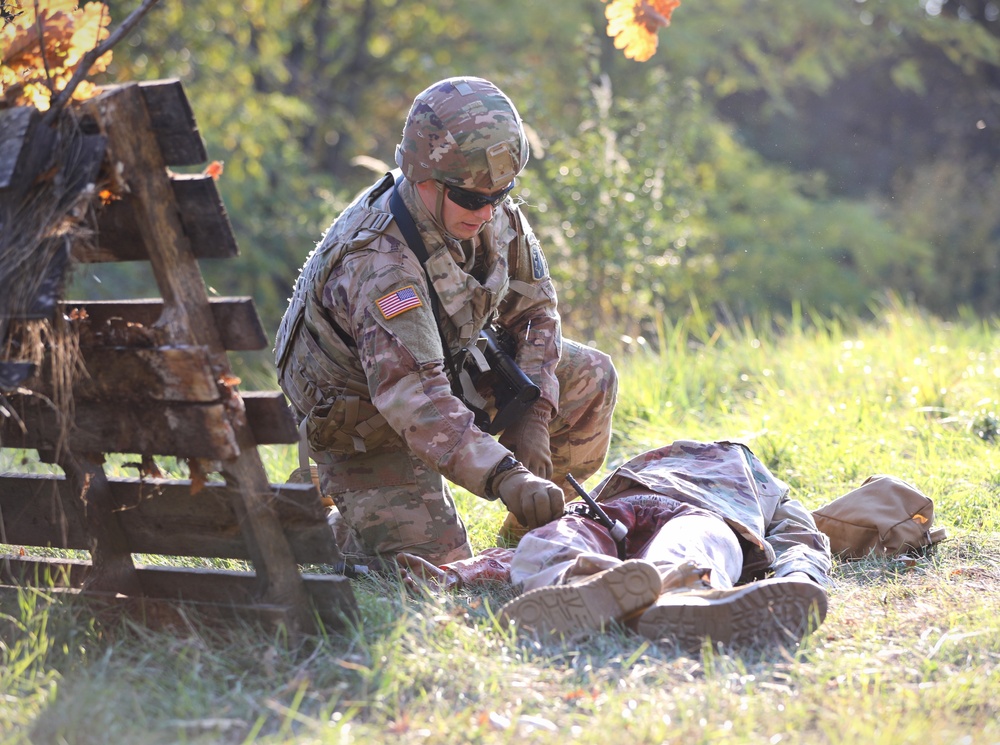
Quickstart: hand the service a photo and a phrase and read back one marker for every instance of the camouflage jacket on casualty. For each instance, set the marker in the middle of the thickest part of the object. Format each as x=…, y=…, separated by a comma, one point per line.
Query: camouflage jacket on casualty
x=727, y=479
x=360, y=330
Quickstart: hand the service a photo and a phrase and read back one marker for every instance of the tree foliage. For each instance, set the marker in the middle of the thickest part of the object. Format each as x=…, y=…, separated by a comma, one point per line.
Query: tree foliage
x=41, y=51
x=761, y=158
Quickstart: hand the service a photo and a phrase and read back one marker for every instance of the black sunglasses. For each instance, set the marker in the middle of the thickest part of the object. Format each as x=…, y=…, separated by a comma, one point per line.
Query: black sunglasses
x=472, y=200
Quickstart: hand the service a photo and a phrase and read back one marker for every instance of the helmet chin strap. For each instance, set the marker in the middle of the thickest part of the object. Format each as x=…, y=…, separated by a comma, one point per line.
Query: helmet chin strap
x=439, y=211
x=438, y=215
x=439, y=206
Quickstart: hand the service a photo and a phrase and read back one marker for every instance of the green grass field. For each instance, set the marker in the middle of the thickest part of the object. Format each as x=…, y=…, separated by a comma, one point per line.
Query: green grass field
x=909, y=653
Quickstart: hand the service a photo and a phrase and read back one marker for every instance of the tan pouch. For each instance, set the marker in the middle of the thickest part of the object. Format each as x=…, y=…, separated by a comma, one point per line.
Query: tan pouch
x=347, y=424
x=885, y=516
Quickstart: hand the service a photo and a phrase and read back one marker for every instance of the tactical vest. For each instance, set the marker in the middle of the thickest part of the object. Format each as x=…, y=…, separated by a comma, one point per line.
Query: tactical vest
x=317, y=368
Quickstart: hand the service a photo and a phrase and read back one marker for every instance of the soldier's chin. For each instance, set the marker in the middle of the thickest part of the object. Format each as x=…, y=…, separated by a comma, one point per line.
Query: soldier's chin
x=468, y=231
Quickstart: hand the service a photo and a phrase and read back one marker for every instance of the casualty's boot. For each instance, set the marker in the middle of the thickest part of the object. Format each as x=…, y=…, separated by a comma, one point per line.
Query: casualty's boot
x=587, y=604
x=780, y=610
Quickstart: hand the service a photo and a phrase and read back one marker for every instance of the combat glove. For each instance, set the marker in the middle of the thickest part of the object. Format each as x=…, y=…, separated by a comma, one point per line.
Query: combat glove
x=529, y=439
x=533, y=501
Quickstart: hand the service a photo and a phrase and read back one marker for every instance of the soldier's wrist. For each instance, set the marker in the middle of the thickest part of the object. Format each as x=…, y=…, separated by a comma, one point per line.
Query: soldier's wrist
x=506, y=464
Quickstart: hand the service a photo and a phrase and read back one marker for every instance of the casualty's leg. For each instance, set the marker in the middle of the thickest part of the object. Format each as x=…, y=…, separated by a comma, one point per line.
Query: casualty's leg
x=779, y=610
x=703, y=539
x=572, y=580
x=589, y=603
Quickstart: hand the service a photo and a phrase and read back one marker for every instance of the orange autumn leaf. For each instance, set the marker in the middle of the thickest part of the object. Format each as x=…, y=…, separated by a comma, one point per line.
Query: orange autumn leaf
x=42, y=52
x=107, y=196
x=634, y=23
x=229, y=380
x=213, y=169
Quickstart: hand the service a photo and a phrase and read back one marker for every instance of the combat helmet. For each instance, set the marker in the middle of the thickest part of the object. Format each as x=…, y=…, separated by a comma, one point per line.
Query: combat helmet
x=463, y=132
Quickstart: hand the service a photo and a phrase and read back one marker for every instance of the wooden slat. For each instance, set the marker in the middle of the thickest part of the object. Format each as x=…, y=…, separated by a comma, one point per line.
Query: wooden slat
x=119, y=376
x=235, y=318
x=270, y=417
x=214, y=591
x=187, y=320
x=204, y=216
x=14, y=124
x=201, y=212
x=162, y=516
x=157, y=428
x=173, y=122
x=40, y=510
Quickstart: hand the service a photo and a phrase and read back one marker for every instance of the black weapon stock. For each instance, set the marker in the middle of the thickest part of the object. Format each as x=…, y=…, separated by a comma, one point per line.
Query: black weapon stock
x=513, y=391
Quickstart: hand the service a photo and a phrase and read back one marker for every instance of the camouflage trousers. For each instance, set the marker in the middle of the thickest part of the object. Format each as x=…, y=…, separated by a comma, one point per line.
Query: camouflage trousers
x=389, y=501
x=691, y=547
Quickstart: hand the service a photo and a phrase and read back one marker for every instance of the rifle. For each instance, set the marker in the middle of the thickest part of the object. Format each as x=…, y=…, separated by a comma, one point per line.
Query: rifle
x=513, y=392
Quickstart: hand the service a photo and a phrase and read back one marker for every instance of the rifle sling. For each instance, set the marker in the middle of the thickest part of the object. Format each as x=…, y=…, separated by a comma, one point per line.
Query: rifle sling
x=416, y=244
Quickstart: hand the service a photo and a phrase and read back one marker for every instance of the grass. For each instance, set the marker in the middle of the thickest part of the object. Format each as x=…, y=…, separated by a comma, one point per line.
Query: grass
x=909, y=653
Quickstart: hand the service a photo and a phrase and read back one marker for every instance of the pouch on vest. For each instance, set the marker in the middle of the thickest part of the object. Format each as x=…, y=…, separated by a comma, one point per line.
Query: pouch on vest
x=883, y=517
x=345, y=425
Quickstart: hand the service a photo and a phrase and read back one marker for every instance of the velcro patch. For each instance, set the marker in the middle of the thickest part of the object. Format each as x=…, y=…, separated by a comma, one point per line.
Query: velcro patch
x=539, y=269
x=397, y=302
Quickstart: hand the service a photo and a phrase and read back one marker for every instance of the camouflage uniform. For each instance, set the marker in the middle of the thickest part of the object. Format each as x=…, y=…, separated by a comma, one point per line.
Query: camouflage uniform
x=720, y=481
x=360, y=357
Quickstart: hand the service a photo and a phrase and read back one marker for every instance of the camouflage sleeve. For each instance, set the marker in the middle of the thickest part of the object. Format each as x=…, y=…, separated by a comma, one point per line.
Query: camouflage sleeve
x=381, y=297
x=529, y=312
x=798, y=544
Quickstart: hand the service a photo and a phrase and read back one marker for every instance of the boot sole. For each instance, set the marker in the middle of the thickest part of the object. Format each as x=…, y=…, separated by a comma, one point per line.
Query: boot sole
x=772, y=611
x=587, y=606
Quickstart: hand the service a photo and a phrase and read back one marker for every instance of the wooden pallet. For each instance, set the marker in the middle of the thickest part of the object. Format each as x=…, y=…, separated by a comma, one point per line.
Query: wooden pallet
x=159, y=384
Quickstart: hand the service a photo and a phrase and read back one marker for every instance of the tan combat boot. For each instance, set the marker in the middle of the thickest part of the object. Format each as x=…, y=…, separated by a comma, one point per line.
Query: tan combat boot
x=772, y=611
x=587, y=604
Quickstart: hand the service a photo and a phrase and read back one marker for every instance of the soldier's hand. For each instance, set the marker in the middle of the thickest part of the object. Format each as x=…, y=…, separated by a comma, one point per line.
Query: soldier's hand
x=533, y=501
x=529, y=439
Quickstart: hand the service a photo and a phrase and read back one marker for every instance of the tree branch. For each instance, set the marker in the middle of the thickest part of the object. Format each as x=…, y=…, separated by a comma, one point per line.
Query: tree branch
x=92, y=56
x=41, y=50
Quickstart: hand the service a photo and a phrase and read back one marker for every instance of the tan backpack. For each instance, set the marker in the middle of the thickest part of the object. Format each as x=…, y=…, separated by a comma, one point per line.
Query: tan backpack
x=883, y=517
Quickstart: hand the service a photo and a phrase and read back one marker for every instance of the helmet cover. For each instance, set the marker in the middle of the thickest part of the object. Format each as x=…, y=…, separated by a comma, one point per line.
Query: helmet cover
x=464, y=132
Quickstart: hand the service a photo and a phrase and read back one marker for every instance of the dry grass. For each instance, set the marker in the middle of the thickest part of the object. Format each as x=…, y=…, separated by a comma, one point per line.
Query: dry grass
x=909, y=652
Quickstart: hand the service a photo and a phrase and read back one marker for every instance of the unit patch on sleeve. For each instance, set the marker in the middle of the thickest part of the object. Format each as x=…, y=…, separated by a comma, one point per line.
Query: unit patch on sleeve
x=539, y=269
x=398, y=302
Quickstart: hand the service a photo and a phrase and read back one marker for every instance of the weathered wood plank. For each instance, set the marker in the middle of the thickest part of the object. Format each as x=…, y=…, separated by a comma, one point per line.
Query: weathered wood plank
x=186, y=429
x=270, y=417
x=158, y=428
x=213, y=591
x=173, y=122
x=201, y=212
x=204, y=216
x=124, y=118
x=113, y=569
x=162, y=516
x=14, y=124
x=41, y=510
x=120, y=376
x=235, y=318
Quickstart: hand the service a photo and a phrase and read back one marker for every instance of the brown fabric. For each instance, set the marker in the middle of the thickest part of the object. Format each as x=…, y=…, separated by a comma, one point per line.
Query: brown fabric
x=885, y=516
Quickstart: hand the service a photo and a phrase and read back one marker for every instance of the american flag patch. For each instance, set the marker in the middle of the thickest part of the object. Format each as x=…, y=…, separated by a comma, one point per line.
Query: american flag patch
x=398, y=302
